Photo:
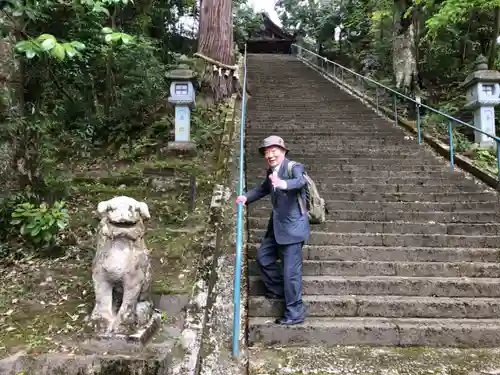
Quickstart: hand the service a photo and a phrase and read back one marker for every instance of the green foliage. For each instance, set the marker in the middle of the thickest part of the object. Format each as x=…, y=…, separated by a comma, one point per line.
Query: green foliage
x=7, y=205
x=40, y=225
x=486, y=159
x=207, y=125
x=48, y=44
x=448, y=13
x=89, y=77
x=116, y=37
x=246, y=23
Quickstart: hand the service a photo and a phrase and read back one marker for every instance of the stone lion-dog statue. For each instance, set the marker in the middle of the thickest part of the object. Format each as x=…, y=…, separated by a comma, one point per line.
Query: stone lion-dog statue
x=121, y=271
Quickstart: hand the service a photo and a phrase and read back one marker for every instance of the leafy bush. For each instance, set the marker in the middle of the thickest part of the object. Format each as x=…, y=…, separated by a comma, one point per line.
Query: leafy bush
x=7, y=205
x=208, y=125
x=41, y=224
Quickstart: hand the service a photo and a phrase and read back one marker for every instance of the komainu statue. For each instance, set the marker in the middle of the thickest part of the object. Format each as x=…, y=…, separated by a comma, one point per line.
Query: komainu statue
x=121, y=270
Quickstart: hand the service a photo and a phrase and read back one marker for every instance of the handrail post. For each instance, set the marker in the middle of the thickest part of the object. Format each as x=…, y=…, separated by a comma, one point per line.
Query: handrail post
x=450, y=135
x=395, y=101
x=418, y=120
x=239, y=222
x=498, y=160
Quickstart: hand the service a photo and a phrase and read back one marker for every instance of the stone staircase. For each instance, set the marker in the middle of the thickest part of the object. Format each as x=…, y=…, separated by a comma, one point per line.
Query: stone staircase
x=409, y=255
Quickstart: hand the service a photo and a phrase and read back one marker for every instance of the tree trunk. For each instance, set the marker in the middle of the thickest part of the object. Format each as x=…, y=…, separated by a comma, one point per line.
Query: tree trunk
x=215, y=45
x=404, y=51
x=14, y=161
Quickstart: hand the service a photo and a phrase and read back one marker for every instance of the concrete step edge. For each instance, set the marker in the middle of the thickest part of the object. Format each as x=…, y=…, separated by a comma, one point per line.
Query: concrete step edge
x=313, y=232
x=374, y=321
x=394, y=248
x=484, y=333
x=322, y=278
x=394, y=222
x=318, y=298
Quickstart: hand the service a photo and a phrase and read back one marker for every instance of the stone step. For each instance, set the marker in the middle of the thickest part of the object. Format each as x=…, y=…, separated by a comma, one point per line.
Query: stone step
x=378, y=332
x=328, y=190
x=374, y=167
x=343, y=143
x=376, y=152
x=325, y=164
x=450, y=181
x=344, y=106
x=327, y=131
x=424, y=196
x=339, y=226
x=363, y=175
x=288, y=123
x=346, y=137
x=420, y=217
x=393, y=254
x=359, y=172
x=317, y=164
x=392, y=240
x=405, y=269
x=311, y=116
x=382, y=132
x=383, y=306
x=263, y=206
x=347, y=145
x=294, y=100
x=392, y=285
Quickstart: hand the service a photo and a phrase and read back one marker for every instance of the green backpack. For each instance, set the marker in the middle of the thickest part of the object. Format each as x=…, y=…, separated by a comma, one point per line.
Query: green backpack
x=315, y=205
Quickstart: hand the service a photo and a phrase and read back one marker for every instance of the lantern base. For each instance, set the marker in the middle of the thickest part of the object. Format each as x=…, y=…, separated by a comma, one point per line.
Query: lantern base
x=182, y=148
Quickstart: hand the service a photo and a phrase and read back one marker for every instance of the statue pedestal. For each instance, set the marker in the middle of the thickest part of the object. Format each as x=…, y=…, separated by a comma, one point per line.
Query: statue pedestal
x=142, y=336
x=182, y=148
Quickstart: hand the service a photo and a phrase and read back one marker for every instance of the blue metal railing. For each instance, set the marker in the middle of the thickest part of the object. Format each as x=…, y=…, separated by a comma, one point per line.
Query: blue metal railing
x=239, y=219
x=312, y=58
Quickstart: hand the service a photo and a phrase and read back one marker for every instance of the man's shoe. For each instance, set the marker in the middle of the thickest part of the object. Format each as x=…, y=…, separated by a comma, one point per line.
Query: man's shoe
x=289, y=322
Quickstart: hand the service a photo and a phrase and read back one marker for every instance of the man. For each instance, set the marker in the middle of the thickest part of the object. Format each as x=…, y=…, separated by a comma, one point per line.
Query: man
x=287, y=230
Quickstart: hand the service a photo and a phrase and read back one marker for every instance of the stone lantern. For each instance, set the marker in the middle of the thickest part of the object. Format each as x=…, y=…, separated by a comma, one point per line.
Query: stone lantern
x=182, y=95
x=483, y=93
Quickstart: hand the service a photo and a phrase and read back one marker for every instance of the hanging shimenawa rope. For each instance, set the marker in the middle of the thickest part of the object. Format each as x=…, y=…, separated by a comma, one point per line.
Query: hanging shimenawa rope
x=215, y=62
x=219, y=83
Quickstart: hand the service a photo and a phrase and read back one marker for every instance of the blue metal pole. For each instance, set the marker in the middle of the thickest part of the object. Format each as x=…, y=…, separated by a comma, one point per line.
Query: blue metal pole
x=395, y=100
x=239, y=222
x=418, y=125
x=498, y=161
x=450, y=135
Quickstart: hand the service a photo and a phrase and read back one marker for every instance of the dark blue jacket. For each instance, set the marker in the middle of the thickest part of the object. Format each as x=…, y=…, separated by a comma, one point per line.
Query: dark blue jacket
x=287, y=222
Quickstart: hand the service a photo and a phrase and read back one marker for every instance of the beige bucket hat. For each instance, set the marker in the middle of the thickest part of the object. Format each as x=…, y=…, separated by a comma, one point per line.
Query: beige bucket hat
x=272, y=140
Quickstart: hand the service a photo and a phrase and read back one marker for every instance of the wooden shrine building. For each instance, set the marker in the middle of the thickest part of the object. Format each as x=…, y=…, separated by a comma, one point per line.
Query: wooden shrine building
x=270, y=39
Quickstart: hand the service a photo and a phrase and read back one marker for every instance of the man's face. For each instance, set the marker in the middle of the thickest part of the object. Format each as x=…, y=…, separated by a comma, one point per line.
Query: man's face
x=274, y=156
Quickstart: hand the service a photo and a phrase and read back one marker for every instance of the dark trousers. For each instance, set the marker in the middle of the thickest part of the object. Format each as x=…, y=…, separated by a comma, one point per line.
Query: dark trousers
x=285, y=282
